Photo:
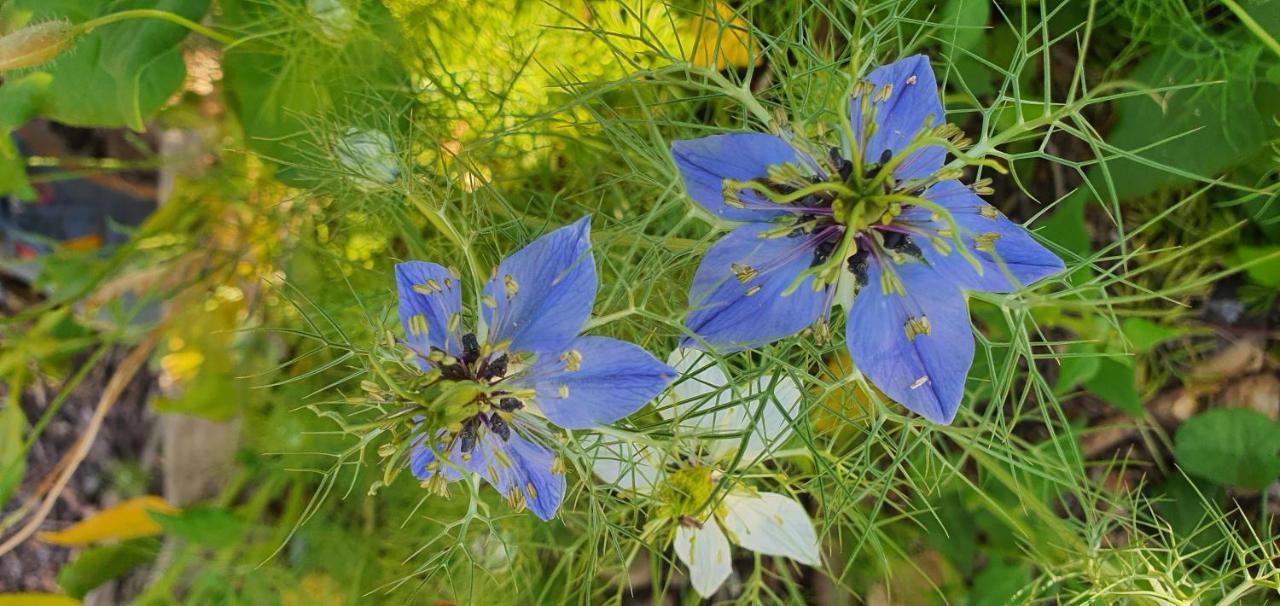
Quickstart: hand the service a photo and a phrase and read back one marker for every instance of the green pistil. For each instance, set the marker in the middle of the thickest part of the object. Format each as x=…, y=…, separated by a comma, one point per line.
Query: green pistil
x=687, y=492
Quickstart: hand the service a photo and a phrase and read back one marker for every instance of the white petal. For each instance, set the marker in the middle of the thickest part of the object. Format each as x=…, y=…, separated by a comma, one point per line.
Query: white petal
x=773, y=427
x=701, y=386
x=705, y=552
x=624, y=464
x=771, y=524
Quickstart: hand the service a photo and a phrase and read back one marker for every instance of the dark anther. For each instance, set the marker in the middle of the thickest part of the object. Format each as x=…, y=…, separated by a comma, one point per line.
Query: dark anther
x=470, y=348
x=872, y=170
x=858, y=267
x=823, y=250
x=842, y=166
x=496, y=368
x=902, y=243
x=800, y=231
x=453, y=371
x=468, y=435
x=499, y=427
x=777, y=188
x=910, y=249
x=509, y=405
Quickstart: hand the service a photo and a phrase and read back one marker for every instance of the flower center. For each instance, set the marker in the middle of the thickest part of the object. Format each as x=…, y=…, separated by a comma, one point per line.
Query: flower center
x=686, y=493
x=471, y=394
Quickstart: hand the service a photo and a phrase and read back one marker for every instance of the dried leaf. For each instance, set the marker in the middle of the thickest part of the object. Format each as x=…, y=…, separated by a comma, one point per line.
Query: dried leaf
x=124, y=521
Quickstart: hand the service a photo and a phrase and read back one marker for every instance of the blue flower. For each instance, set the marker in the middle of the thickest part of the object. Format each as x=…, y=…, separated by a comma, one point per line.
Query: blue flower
x=879, y=222
x=500, y=395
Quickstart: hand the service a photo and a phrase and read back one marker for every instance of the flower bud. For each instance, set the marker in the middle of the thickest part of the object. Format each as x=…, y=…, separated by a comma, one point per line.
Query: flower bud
x=35, y=44
x=370, y=156
x=335, y=19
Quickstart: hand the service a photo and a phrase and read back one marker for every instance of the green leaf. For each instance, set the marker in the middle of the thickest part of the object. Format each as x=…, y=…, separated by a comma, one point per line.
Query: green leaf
x=1266, y=273
x=97, y=565
x=20, y=99
x=963, y=22
x=131, y=68
x=1117, y=384
x=12, y=458
x=1230, y=446
x=1080, y=366
x=998, y=583
x=1144, y=334
x=1203, y=130
x=212, y=527
x=1183, y=503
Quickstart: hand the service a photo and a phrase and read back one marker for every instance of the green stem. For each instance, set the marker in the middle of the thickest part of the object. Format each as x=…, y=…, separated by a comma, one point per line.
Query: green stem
x=1253, y=26
x=147, y=13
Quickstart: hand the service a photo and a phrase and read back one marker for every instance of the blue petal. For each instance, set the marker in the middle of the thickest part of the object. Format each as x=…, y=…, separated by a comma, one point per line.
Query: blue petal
x=431, y=291
x=1025, y=259
x=729, y=318
x=516, y=464
x=912, y=100
x=612, y=380
x=705, y=163
x=544, y=292
x=925, y=373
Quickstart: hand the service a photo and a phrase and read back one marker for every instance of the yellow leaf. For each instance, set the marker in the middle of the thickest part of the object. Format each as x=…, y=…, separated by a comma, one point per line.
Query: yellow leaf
x=722, y=40
x=124, y=521
x=37, y=599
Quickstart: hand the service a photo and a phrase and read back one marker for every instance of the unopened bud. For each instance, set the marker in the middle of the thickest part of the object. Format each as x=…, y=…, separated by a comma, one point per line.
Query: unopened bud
x=35, y=44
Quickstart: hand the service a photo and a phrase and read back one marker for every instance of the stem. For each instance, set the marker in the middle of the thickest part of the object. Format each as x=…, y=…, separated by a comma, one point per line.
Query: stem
x=1253, y=26
x=147, y=13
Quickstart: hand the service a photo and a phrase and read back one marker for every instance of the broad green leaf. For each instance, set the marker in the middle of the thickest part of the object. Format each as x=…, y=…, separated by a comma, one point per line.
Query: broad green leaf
x=127, y=520
x=12, y=458
x=962, y=30
x=1267, y=272
x=1144, y=334
x=20, y=99
x=1117, y=384
x=998, y=582
x=212, y=527
x=121, y=73
x=1082, y=365
x=97, y=565
x=135, y=47
x=1203, y=130
x=1183, y=502
x=1230, y=446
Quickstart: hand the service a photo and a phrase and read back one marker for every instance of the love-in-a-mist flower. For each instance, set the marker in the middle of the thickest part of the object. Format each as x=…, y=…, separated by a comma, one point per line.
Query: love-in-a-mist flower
x=495, y=398
x=715, y=426
x=878, y=224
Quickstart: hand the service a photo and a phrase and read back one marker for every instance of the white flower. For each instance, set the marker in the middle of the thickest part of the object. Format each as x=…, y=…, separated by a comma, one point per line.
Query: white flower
x=704, y=408
x=370, y=156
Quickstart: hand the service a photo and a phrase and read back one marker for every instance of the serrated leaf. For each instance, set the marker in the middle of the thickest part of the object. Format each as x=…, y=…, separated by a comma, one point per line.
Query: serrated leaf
x=127, y=520
x=97, y=565
x=1231, y=447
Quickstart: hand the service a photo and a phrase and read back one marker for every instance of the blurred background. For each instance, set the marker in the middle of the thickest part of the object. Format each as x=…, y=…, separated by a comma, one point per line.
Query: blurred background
x=199, y=226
